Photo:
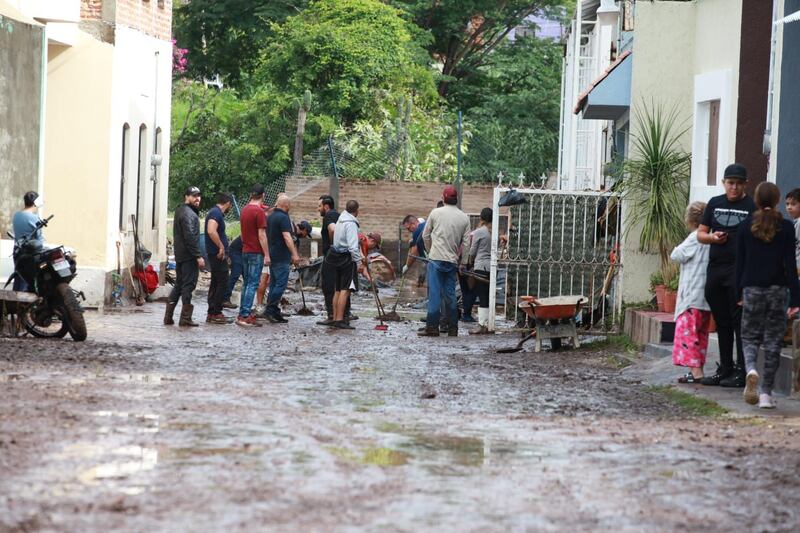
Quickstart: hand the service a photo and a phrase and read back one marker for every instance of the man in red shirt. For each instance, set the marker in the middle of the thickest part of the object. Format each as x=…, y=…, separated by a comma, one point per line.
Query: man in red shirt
x=255, y=252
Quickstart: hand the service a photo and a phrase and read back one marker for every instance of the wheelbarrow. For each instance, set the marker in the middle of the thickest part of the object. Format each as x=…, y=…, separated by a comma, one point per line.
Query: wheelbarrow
x=553, y=318
x=14, y=306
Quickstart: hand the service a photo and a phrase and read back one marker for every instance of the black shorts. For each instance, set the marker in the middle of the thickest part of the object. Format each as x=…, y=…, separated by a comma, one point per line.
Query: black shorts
x=342, y=264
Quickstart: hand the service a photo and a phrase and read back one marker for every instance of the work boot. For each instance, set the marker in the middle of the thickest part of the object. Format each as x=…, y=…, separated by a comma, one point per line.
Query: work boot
x=169, y=312
x=186, y=316
x=736, y=380
x=218, y=319
x=428, y=332
x=715, y=379
x=227, y=304
x=452, y=332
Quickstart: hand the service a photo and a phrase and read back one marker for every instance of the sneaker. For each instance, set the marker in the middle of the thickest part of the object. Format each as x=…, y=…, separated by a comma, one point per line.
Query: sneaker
x=735, y=380
x=444, y=328
x=247, y=322
x=718, y=376
x=765, y=401
x=326, y=322
x=350, y=317
x=342, y=324
x=259, y=311
x=750, y=388
x=276, y=319
x=227, y=304
x=482, y=330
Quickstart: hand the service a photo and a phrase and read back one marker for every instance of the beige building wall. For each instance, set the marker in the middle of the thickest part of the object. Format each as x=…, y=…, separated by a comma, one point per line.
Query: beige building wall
x=76, y=150
x=663, y=75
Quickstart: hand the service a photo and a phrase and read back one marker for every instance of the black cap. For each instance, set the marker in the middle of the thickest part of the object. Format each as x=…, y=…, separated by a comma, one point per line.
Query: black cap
x=257, y=190
x=192, y=191
x=735, y=171
x=305, y=226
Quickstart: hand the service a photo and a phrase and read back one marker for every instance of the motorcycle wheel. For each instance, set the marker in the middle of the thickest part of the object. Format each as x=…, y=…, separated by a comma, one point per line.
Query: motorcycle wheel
x=72, y=312
x=55, y=328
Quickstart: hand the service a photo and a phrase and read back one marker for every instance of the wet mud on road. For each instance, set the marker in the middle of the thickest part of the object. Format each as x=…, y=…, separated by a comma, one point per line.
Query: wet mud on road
x=147, y=427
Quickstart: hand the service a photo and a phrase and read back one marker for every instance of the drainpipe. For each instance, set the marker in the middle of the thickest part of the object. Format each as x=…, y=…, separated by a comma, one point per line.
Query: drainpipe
x=767, y=145
x=575, y=90
x=42, y=119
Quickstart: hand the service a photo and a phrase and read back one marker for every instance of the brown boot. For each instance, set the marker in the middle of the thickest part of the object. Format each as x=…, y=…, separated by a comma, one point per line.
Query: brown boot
x=186, y=316
x=428, y=332
x=168, y=313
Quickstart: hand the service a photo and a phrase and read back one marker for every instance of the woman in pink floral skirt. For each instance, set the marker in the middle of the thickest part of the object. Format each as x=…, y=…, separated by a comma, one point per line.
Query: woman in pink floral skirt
x=692, y=313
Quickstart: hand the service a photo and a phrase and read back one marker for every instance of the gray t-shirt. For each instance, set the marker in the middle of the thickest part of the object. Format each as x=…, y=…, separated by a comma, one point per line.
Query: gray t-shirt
x=23, y=223
x=481, y=249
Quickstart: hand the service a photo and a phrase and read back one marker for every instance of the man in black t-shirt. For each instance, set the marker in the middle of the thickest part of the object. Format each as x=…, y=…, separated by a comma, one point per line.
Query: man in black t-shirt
x=328, y=275
x=720, y=223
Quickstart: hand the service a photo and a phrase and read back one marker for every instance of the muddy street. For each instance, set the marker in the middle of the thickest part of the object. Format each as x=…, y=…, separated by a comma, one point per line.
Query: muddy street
x=147, y=427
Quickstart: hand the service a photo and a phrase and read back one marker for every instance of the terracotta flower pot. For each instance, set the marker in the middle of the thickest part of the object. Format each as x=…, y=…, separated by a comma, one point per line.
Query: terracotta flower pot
x=660, y=290
x=670, y=300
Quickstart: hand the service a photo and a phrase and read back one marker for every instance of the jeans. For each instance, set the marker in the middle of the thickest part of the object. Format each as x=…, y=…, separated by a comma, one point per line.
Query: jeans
x=219, y=284
x=723, y=301
x=236, y=272
x=278, y=280
x=763, y=325
x=442, y=289
x=251, y=270
x=186, y=273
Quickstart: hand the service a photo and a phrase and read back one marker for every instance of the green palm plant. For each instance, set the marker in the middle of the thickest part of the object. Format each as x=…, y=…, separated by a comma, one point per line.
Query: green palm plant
x=655, y=182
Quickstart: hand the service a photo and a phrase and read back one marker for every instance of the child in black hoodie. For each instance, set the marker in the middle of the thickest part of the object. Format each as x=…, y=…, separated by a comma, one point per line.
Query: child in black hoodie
x=766, y=277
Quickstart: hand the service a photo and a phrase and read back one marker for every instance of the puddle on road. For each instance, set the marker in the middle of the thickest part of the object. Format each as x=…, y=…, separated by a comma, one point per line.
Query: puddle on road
x=134, y=459
x=371, y=456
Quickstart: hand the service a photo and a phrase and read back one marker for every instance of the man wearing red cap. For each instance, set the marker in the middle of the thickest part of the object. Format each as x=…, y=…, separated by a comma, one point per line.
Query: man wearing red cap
x=446, y=238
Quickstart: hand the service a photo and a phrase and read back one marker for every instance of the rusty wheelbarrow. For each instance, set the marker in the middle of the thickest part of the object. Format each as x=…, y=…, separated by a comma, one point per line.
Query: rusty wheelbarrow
x=554, y=319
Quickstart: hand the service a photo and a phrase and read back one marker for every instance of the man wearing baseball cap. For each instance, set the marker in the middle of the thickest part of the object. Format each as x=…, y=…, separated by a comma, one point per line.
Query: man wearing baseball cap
x=446, y=237
x=718, y=228
x=188, y=258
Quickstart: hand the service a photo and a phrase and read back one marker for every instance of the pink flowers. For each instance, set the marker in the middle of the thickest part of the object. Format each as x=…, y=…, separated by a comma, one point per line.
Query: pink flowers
x=179, y=60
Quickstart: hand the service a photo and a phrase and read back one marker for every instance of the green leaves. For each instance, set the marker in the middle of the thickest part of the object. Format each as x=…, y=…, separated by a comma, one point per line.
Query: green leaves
x=655, y=180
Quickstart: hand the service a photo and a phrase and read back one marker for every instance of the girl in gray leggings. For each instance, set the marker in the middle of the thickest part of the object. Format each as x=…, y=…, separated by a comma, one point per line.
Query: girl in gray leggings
x=766, y=275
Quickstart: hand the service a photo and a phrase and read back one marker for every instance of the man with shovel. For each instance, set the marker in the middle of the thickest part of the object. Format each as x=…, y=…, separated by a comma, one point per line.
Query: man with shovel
x=446, y=237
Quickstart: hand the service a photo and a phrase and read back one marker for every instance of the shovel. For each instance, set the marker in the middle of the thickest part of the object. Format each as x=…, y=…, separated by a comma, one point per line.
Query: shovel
x=393, y=316
x=518, y=347
x=304, y=311
x=381, y=326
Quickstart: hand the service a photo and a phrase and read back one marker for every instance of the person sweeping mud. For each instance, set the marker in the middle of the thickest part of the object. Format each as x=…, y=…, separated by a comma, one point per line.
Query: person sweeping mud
x=446, y=237
x=188, y=258
x=341, y=259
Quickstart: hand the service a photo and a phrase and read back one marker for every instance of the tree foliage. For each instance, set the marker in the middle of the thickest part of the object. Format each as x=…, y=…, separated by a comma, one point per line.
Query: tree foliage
x=351, y=54
x=465, y=32
x=225, y=36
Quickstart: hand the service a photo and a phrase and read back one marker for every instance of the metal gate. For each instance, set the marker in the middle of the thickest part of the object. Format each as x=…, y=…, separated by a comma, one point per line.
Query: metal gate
x=560, y=243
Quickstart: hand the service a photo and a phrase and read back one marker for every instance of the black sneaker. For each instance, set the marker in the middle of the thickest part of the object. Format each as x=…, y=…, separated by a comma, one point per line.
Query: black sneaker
x=715, y=379
x=350, y=317
x=342, y=325
x=736, y=380
x=326, y=322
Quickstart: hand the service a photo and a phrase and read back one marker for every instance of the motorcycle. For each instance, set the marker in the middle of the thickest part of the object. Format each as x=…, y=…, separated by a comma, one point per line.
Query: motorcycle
x=48, y=273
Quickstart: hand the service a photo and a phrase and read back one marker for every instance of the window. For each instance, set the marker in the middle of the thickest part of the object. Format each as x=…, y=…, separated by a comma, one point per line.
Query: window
x=141, y=173
x=156, y=170
x=713, y=142
x=123, y=173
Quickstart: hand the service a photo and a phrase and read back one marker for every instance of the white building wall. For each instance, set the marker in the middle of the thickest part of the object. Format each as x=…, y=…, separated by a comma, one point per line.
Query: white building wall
x=141, y=95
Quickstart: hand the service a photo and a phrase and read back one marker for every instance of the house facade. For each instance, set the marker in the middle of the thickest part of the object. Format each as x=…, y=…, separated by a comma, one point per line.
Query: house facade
x=717, y=63
x=104, y=137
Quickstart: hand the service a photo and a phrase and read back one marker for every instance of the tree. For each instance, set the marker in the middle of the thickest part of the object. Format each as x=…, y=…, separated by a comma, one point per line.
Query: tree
x=465, y=32
x=351, y=54
x=224, y=36
x=303, y=107
x=512, y=103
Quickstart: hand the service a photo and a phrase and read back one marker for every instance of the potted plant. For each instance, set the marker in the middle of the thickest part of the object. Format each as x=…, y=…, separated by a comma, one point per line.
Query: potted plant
x=658, y=288
x=655, y=183
x=671, y=294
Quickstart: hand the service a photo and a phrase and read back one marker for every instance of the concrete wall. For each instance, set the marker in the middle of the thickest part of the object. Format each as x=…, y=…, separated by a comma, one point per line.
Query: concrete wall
x=21, y=61
x=77, y=154
x=663, y=75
